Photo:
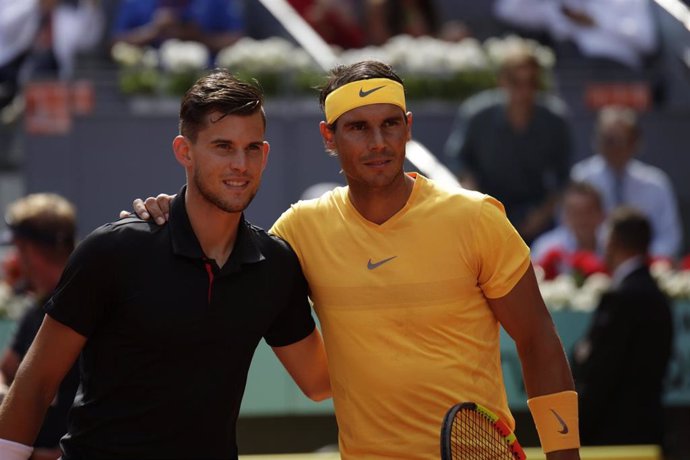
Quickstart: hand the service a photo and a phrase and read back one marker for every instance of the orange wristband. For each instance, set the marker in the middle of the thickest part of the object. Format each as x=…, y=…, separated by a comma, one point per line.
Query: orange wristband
x=555, y=416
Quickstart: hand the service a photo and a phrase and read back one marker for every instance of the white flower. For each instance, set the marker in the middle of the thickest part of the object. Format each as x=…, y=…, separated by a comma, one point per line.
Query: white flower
x=182, y=56
x=126, y=55
x=467, y=54
x=597, y=283
x=149, y=59
x=558, y=292
x=374, y=53
x=274, y=54
x=587, y=297
x=676, y=284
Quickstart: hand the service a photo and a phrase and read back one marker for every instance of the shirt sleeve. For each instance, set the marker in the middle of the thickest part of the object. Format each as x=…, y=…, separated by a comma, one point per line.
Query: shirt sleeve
x=295, y=321
x=86, y=289
x=504, y=256
x=284, y=228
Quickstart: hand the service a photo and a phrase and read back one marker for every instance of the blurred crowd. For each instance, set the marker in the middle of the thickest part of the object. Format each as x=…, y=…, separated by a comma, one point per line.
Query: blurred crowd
x=42, y=38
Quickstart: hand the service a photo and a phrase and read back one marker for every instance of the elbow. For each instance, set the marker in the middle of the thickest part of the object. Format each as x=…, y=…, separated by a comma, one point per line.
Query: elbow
x=319, y=396
x=319, y=392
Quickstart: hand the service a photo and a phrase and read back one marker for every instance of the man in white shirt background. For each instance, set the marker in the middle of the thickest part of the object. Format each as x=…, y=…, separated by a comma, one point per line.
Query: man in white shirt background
x=623, y=180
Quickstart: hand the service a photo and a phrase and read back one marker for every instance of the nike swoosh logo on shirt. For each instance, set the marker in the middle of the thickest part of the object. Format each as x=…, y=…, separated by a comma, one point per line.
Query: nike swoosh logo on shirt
x=363, y=93
x=372, y=265
x=561, y=421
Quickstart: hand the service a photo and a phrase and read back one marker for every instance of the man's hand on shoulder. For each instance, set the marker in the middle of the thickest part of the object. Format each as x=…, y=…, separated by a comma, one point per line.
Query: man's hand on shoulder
x=157, y=208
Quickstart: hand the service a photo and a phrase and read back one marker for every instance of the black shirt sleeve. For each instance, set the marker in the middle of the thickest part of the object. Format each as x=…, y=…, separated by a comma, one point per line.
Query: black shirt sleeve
x=294, y=322
x=86, y=289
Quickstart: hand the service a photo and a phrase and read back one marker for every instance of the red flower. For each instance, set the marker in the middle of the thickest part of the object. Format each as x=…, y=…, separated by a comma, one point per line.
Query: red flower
x=586, y=263
x=685, y=263
x=552, y=262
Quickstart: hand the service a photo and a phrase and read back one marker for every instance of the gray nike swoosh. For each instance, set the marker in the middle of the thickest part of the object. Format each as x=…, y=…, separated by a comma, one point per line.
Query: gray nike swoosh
x=363, y=93
x=561, y=421
x=372, y=265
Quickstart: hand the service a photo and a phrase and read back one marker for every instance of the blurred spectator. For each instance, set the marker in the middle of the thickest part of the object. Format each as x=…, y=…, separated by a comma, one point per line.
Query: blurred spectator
x=14, y=295
x=77, y=26
x=619, y=367
x=623, y=31
x=579, y=234
x=388, y=18
x=514, y=144
x=43, y=38
x=623, y=180
x=336, y=21
x=215, y=23
x=19, y=23
x=42, y=230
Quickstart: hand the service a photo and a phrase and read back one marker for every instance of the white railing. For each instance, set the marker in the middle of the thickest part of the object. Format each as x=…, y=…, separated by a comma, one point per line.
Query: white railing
x=677, y=9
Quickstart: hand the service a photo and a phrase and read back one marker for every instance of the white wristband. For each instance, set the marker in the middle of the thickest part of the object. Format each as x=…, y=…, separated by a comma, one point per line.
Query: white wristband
x=10, y=450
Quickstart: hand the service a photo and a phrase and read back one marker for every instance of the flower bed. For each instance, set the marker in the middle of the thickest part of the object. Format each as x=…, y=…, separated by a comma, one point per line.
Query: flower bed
x=430, y=67
x=578, y=291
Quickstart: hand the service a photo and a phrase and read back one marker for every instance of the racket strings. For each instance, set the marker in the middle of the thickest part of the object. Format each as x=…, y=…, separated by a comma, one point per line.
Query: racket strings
x=473, y=437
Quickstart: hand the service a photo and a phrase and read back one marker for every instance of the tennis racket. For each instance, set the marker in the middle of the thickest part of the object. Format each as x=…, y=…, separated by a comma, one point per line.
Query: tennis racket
x=473, y=432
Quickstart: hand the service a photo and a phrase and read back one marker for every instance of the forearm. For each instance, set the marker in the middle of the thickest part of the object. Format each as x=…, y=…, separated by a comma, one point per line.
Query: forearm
x=23, y=410
x=546, y=372
x=545, y=367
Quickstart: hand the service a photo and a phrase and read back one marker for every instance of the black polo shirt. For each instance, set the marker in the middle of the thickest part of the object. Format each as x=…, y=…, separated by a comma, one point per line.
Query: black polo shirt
x=171, y=336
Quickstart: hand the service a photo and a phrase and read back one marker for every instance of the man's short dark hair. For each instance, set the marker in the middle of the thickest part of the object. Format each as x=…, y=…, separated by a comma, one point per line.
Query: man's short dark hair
x=630, y=229
x=364, y=70
x=218, y=91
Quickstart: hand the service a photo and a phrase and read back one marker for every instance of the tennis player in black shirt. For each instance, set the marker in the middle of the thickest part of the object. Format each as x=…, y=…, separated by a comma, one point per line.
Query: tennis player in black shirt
x=166, y=319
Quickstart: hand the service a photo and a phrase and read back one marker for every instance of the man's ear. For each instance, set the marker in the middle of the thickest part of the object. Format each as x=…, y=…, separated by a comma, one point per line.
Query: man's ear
x=408, y=115
x=181, y=148
x=328, y=136
x=266, y=149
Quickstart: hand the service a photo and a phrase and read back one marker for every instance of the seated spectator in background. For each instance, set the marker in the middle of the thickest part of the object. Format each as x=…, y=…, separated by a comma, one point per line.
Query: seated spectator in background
x=623, y=180
x=42, y=228
x=43, y=38
x=388, y=18
x=619, y=367
x=623, y=31
x=514, y=144
x=337, y=22
x=19, y=23
x=579, y=234
x=215, y=23
x=15, y=297
x=77, y=26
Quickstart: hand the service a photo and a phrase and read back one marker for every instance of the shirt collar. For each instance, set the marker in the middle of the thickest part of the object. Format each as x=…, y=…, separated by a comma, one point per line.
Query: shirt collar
x=626, y=268
x=185, y=242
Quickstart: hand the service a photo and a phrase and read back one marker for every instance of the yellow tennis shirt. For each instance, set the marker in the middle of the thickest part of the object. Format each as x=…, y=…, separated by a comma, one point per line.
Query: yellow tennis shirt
x=403, y=311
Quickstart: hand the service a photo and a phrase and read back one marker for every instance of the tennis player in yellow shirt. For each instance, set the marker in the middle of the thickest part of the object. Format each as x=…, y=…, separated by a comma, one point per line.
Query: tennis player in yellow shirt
x=411, y=281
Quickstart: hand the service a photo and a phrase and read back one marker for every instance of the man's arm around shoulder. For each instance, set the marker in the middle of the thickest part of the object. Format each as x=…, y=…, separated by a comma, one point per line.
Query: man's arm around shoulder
x=306, y=363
